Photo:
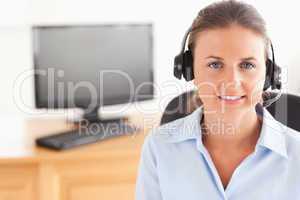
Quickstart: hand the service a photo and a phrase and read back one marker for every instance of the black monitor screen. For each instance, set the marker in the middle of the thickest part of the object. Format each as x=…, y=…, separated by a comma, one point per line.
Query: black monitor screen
x=92, y=65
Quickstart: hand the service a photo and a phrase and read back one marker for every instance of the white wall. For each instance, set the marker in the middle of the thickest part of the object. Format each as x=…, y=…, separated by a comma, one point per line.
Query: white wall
x=170, y=18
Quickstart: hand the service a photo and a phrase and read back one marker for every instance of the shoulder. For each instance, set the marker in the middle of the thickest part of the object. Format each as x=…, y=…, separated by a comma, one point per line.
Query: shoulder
x=292, y=138
x=174, y=132
x=283, y=134
x=178, y=130
x=166, y=132
x=155, y=143
x=292, y=142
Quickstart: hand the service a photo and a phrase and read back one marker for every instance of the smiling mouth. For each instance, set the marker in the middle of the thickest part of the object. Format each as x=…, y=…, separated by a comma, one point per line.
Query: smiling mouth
x=233, y=98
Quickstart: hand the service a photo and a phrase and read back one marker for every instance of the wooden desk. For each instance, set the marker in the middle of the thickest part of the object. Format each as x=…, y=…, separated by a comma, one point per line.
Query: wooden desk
x=105, y=170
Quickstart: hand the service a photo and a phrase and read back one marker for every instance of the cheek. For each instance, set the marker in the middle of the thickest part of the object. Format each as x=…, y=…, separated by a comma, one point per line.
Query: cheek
x=205, y=81
x=206, y=85
x=254, y=89
x=207, y=91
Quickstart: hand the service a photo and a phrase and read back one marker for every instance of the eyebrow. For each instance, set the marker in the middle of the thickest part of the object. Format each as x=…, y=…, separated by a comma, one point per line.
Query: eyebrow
x=216, y=57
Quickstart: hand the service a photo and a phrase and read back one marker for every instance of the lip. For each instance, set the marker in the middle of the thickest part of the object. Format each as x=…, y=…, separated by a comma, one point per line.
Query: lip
x=233, y=102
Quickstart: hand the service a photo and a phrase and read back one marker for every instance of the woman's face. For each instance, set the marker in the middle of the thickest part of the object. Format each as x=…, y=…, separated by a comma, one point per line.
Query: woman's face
x=229, y=69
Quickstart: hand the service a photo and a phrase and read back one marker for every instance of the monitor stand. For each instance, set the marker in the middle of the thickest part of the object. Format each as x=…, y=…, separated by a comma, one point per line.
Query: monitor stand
x=92, y=117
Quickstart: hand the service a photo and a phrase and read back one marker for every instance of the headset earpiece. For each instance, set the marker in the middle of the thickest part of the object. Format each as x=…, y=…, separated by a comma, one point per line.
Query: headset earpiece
x=178, y=62
x=187, y=70
x=269, y=72
x=183, y=66
x=277, y=77
x=273, y=75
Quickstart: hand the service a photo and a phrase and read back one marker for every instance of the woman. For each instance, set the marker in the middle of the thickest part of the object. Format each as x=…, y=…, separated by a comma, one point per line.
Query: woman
x=225, y=149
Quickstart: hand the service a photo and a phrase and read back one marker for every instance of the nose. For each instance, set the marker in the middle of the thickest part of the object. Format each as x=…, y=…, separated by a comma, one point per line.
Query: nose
x=232, y=79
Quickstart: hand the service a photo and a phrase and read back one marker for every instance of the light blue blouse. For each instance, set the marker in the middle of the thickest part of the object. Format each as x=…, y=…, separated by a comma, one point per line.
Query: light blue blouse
x=175, y=165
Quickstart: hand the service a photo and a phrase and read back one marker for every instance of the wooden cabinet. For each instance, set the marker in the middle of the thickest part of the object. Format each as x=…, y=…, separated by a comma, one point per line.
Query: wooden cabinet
x=17, y=182
x=88, y=180
x=105, y=170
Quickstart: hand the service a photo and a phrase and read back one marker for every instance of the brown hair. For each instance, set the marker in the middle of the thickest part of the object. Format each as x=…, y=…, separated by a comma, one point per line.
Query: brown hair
x=225, y=13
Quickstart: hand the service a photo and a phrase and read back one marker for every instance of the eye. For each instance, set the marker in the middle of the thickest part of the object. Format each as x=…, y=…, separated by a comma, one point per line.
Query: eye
x=247, y=65
x=215, y=65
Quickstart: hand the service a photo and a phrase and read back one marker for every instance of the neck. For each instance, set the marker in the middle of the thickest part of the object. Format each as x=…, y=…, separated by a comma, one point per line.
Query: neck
x=231, y=131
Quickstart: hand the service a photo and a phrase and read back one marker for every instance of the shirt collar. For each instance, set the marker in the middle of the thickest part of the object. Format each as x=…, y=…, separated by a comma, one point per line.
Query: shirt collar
x=271, y=135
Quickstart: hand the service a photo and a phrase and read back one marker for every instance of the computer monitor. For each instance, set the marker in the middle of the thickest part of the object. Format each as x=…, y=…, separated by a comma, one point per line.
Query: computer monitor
x=89, y=66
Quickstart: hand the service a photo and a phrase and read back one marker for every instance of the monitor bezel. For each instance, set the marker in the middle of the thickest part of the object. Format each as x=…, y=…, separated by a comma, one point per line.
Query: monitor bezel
x=81, y=103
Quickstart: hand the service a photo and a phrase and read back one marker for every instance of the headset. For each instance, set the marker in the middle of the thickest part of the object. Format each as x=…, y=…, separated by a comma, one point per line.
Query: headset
x=183, y=66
